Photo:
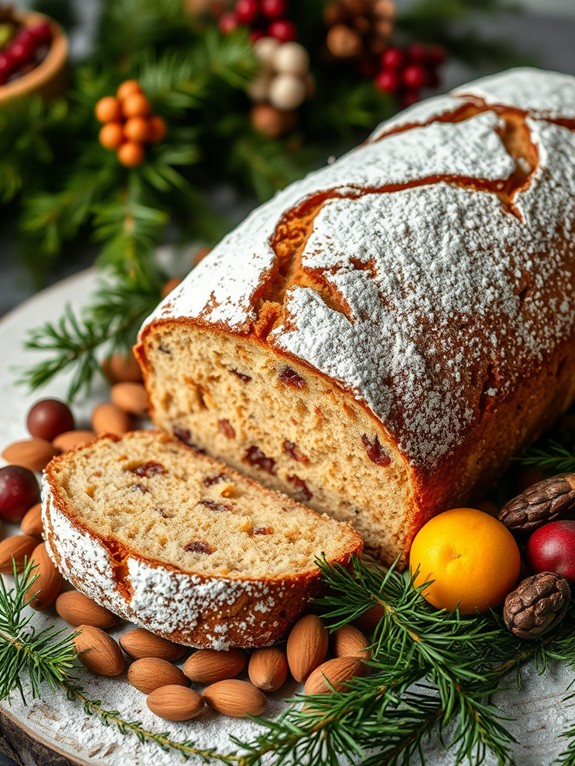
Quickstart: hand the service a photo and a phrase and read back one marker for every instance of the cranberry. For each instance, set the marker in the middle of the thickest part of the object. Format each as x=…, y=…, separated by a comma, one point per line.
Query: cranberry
x=227, y=23
x=291, y=378
x=273, y=9
x=417, y=53
x=551, y=548
x=393, y=58
x=42, y=31
x=282, y=30
x=387, y=81
x=246, y=11
x=414, y=77
x=49, y=418
x=19, y=491
x=408, y=98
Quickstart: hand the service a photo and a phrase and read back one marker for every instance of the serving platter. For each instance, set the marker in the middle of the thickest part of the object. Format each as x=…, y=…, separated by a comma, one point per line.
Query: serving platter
x=54, y=731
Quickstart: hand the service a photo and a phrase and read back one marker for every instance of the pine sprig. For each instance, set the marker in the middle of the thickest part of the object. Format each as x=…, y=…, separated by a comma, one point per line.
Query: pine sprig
x=552, y=457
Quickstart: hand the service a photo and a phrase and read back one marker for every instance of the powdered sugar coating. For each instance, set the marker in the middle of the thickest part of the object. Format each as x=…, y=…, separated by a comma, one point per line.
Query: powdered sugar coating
x=451, y=287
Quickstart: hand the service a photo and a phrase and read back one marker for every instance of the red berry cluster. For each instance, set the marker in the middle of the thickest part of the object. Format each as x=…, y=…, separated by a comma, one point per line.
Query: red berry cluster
x=25, y=50
x=404, y=71
x=265, y=18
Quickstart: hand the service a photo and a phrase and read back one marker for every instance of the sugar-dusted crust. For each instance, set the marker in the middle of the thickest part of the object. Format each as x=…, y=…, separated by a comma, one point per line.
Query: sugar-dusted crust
x=429, y=274
x=183, y=606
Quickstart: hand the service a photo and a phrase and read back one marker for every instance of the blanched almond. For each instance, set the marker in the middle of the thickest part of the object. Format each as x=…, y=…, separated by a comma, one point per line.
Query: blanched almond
x=235, y=698
x=109, y=419
x=33, y=453
x=150, y=673
x=77, y=609
x=130, y=397
x=48, y=584
x=206, y=666
x=268, y=668
x=307, y=646
x=140, y=643
x=31, y=524
x=336, y=671
x=70, y=439
x=98, y=651
x=349, y=641
x=16, y=549
x=175, y=703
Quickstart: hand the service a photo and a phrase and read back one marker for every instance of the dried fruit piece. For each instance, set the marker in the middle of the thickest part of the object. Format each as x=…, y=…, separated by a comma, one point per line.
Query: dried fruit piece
x=291, y=449
x=175, y=703
x=537, y=605
x=255, y=456
x=303, y=493
x=227, y=428
x=149, y=469
x=199, y=546
x=307, y=646
x=291, y=378
x=235, y=698
x=375, y=451
x=545, y=501
x=206, y=666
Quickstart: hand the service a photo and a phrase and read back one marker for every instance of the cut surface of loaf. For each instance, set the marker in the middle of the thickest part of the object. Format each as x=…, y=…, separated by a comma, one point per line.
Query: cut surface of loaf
x=181, y=544
x=381, y=337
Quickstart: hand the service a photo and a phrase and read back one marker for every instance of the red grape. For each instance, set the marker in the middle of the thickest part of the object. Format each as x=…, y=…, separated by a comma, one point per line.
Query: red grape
x=49, y=418
x=22, y=51
x=414, y=77
x=282, y=30
x=273, y=9
x=392, y=58
x=387, y=81
x=19, y=491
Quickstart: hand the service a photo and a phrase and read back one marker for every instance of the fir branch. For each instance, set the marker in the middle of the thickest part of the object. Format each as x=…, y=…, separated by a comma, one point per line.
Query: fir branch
x=552, y=457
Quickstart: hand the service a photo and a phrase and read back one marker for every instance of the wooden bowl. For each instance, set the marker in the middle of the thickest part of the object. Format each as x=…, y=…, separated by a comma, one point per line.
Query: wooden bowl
x=50, y=77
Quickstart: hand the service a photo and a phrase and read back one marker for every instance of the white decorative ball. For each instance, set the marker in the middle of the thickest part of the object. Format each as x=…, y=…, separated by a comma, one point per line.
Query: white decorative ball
x=259, y=88
x=265, y=49
x=291, y=58
x=287, y=92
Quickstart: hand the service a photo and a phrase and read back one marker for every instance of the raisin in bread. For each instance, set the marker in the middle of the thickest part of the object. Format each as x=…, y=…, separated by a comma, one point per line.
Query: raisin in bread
x=381, y=337
x=181, y=544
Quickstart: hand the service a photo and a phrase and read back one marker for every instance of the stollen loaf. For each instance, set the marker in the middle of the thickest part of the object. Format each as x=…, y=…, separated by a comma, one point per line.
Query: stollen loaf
x=381, y=337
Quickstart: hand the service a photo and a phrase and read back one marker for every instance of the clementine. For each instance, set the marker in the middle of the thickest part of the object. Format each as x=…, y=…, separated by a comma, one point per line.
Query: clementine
x=471, y=557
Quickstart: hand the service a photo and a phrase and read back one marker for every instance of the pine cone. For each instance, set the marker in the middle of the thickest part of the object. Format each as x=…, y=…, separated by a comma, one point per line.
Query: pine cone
x=537, y=605
x=546, y=501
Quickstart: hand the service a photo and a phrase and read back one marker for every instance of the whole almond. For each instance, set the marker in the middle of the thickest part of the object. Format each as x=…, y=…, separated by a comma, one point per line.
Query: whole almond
x=140, y=643
x=369, y=620
x=150, y=673
x=70, y=439
x=16, y=549
x=235, y=698
x=109, y=419
x=130, y=397
x=98, y=651
x=307, y=646
x=336, y=671
x=33, y=453
x=349, y=641
x=268, y=668
x=46, y=589
x=175, y=703
x=122, y=367
x=77, y=609
x=206, y=666
x=31, y=524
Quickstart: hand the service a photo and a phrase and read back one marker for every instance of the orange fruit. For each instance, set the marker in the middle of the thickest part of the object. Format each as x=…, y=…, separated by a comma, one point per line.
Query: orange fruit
x=137, y=129
x=131, y=154
x=127, y=88
x=111, y=135
x=136, y=105
x=471, y=557
x=108, y=109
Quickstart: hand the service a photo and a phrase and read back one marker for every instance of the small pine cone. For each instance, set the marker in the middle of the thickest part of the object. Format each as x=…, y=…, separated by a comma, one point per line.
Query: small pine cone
x=546, y=501
x=537, y=605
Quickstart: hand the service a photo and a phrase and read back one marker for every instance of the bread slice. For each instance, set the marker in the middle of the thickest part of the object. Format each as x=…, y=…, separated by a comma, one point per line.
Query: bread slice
x=182, y=545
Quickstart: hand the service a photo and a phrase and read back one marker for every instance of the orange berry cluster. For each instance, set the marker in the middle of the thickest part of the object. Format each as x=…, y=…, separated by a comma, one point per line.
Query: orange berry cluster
x=128, y=123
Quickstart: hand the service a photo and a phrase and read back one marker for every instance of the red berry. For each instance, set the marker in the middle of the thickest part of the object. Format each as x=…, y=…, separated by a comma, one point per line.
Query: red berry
x=408, y=98
x=273, y=9
x=19, y=491
x=246, y=11
x=414, y=77
x=227, y=23
x=42, y=31
x=551, y=548
x=417, y=53
x=388, y=81
x=436, y=54
x=392, y=58
x=283, y=30
x=49, y=418
x=22, y=51
x=27, y=36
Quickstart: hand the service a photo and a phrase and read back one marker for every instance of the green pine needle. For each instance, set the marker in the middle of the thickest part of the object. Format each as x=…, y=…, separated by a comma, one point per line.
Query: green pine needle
x=552, y=457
